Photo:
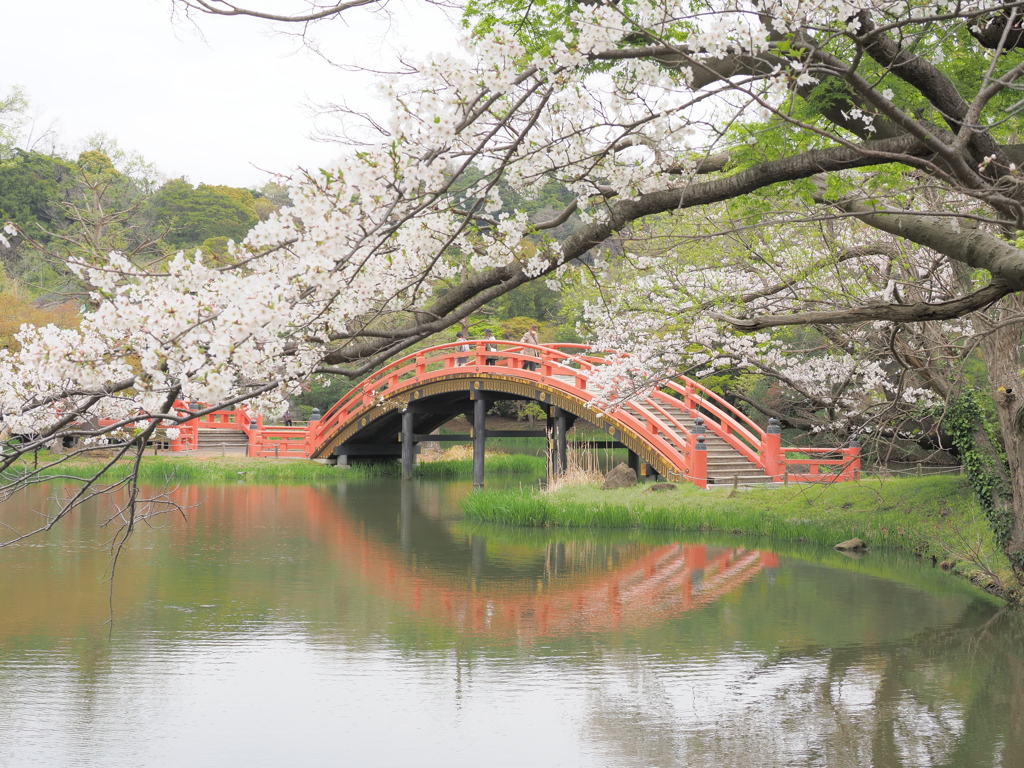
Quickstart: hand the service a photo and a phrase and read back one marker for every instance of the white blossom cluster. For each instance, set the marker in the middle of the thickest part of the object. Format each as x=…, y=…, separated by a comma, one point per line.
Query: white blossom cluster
x=667, y=316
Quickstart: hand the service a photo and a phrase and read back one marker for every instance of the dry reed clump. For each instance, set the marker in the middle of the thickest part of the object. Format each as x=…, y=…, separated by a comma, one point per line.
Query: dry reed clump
x=456, y=453
x=582, y=467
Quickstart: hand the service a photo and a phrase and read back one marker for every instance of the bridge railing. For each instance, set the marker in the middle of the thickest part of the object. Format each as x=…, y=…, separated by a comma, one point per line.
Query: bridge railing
x=238, y=419
x=571, y=366
x=188, y=432
x=723, y=419
x=281, y=443
x=447, y=359
x=838, y=463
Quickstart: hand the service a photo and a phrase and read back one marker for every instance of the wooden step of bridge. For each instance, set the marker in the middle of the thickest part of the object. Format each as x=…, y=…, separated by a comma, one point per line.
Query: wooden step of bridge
x=726, y=465
x=227, y=440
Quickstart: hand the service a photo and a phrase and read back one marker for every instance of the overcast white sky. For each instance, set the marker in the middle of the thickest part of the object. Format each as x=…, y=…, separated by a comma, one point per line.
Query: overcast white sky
x=215, y=105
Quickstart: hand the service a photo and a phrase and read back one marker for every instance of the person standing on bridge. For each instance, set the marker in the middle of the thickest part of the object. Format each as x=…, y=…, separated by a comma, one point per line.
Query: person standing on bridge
x=489, y=336
x=463, y=347
x=530, y=337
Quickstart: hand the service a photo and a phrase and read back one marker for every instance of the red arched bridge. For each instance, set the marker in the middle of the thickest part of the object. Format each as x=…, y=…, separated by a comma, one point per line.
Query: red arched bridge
x=682, y=431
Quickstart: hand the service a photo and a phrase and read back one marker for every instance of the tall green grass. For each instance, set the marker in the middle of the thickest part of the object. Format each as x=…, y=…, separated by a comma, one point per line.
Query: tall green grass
x=162, y=471
x=498, y=464
x=158, y=470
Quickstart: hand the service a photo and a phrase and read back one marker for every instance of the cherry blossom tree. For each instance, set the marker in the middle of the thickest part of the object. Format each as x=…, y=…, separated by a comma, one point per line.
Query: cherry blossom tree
x=896, y=119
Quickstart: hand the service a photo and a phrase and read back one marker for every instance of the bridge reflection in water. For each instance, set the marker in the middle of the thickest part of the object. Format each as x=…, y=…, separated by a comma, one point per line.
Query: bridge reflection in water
x=402, y=543
x=541, y=591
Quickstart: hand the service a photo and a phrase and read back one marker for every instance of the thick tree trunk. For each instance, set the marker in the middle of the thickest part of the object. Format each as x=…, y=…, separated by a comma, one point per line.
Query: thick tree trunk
x=1002, y=349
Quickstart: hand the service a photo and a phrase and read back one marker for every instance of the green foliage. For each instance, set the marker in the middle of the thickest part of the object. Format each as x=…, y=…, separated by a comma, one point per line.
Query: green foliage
x=538, y=24
x=13, y=107
x=534, y=299
x=193, y=215
x=533, y=410
x=962, y=423
x=216, y=247
x=276, y=193
x=513, y=329
x=96, y=163
x=130, y=164
x=84, y=208
x=105, y=201
x=263, y=208
x=323, y=392
x=33, y=189
x=830, y=92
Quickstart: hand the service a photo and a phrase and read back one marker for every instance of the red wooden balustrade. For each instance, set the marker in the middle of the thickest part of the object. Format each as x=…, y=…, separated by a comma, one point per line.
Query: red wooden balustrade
x=567, y=367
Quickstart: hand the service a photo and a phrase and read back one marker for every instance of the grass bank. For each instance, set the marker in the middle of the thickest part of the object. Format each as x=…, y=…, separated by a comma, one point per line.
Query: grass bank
x=933, y=517
x=183, y=468
x=897, y=565
x=157, y=470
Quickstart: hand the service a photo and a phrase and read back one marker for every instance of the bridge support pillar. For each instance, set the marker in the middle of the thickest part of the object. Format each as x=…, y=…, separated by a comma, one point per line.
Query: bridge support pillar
x=479, y=439
x=408, y=444
x=559, y=444
x=633, y=462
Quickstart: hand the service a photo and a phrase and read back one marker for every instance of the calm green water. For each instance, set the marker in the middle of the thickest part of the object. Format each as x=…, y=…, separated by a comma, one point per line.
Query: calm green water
x=366, y=625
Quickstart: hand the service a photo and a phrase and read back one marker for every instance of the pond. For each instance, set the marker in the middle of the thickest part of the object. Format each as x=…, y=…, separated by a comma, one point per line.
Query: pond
x=365, y=623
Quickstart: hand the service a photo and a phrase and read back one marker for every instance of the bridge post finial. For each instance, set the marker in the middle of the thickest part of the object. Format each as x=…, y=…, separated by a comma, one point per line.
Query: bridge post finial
x=852, y=455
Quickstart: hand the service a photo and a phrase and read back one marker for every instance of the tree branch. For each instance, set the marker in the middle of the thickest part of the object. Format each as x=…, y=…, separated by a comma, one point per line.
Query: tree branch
x=974, y=247
x=896, y=313
x=224, y=8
